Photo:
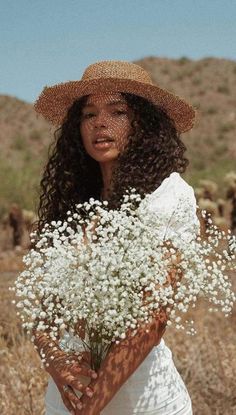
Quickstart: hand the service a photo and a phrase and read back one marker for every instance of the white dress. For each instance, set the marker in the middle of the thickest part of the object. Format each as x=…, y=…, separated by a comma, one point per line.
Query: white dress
x=155, y=388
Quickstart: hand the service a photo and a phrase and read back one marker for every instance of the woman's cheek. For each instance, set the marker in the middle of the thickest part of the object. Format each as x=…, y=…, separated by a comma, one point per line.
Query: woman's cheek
x=85, y=131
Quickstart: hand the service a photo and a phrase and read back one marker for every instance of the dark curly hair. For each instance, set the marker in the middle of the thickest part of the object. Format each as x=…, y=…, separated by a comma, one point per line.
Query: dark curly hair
x=71, y=176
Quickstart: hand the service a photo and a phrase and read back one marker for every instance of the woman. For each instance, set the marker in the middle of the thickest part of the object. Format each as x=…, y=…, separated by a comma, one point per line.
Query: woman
x=117, y=130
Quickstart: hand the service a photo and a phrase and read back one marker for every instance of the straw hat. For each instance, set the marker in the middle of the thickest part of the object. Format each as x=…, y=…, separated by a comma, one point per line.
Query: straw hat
x=113, y=76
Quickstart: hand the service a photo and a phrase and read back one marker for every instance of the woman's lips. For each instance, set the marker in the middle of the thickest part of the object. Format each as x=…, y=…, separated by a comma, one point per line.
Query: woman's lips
x=102, y=137
x=103, y=145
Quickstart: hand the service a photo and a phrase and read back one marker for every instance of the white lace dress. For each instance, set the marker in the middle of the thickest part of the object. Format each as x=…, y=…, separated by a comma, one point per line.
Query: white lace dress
x=156, y=387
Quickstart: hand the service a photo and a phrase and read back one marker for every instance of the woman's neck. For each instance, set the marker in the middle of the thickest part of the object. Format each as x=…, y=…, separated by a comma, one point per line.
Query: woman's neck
x=106, y=170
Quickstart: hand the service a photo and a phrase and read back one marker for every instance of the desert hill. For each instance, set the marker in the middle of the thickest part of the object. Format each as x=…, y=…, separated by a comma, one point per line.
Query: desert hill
x=22, y=133
x=208, y=84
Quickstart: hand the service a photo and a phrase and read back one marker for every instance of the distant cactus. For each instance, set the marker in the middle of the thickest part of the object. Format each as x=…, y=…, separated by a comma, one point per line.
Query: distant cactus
x=211, y=209
x=209, y=189
x=230, y=180
x=209, y=206
x=221, y=206
x=221, y=223
x=199, y=193
x=16, y=222
x=29, y=217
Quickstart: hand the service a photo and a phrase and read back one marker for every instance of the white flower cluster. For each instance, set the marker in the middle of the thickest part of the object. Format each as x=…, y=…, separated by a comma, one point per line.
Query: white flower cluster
x=112, y=278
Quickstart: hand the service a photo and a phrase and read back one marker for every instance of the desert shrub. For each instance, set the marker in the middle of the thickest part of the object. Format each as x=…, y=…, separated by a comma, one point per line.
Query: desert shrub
x=226, y=127
x=196, y=81
x=199, y=164
x=178, y=77
x=165, y=70
x=223, y=89
x=24, y=118
x=220, y=136
x=216, y=170
x=202, y=92
x=211, y=110
x=35, y=135
x=19, y=185
x=27, y=156
x=183, y=60
x=221, y=149
x=19, y=143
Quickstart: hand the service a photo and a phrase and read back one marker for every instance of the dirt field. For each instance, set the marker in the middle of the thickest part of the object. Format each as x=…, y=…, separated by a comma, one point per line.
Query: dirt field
x=207, y=361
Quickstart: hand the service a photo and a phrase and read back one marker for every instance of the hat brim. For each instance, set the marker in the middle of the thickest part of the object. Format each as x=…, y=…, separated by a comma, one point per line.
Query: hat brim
x=54, y=102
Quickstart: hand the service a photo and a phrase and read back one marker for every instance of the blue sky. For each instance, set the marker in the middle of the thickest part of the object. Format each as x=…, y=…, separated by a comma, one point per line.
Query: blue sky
x=44, y=42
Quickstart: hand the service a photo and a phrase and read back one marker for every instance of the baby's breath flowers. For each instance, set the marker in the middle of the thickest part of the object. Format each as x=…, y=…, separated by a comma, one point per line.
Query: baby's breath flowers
x=101, y=274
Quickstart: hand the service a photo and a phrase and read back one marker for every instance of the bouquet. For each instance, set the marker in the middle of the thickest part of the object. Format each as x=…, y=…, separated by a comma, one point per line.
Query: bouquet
x=96, y=277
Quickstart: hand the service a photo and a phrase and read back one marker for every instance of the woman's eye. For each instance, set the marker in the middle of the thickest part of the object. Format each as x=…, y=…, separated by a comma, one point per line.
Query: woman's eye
x=88, y=115
x=120, y=112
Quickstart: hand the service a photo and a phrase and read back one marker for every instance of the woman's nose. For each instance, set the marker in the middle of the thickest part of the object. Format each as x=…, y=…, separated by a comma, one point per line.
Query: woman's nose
x=100, y=120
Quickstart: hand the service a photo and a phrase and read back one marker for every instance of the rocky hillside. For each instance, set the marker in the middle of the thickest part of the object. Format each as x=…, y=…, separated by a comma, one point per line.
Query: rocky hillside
x=24, y=141
x=208, y=84
x=22, y=134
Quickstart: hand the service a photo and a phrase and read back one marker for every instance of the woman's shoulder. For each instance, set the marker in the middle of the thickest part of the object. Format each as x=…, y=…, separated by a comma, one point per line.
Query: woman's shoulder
x=173, y=188
x=175, y=203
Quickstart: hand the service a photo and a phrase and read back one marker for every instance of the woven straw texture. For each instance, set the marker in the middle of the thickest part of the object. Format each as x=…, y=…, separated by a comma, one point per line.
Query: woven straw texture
x=113, y=76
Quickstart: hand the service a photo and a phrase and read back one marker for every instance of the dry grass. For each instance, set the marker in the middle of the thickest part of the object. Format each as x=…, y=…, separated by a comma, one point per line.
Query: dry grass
x=22, y=382
x=207, y=362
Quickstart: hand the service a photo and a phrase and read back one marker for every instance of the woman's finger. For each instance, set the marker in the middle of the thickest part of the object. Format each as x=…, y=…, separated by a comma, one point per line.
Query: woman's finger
x=82, y=388
x=77, y=384
x=84, y=357
x=67, y=402
x=74, y=383
x=83, y=370
x=70, y=395
x=75, y=367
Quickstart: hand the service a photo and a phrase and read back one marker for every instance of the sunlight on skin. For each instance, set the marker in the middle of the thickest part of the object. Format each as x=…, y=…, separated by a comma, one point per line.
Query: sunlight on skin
x=120, y=363
x=106, y=116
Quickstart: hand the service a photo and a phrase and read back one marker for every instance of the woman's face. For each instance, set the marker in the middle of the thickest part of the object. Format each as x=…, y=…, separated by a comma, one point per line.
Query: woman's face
x=105, y=125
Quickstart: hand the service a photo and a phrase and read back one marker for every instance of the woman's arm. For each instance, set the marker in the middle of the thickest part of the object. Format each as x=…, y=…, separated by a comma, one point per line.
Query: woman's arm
x=65, y=369
x=123, y=359
x=120, y=363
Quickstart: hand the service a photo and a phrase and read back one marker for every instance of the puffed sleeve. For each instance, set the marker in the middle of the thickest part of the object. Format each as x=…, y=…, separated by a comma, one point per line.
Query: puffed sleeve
x=174, y=203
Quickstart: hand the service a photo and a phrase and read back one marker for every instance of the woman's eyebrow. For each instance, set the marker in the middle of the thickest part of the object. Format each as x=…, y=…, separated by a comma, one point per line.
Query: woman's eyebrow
x=116, y=102
x=88, y=105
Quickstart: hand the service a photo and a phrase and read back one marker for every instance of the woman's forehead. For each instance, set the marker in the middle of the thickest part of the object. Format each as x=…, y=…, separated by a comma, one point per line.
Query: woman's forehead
x=105, y=98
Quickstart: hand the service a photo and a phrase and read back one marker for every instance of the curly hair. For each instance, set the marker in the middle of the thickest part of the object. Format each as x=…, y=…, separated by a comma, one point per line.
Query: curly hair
x=71, y=176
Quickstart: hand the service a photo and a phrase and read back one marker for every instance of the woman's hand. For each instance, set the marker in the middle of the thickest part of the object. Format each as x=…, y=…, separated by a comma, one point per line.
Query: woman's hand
x=121, y=362
x=68, y=373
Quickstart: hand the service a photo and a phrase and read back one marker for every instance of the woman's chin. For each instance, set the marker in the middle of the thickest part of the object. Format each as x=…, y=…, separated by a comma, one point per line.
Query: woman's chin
x=105, y=156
